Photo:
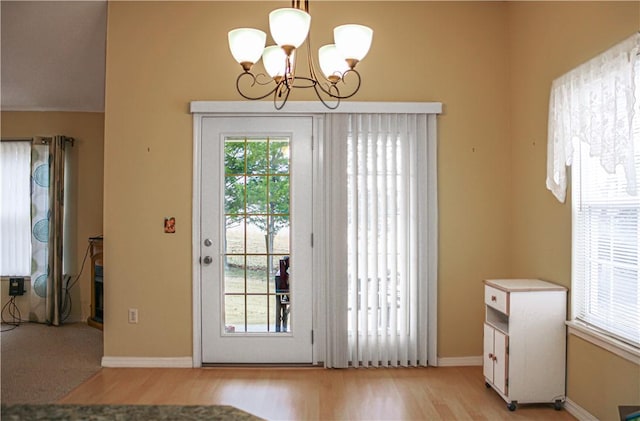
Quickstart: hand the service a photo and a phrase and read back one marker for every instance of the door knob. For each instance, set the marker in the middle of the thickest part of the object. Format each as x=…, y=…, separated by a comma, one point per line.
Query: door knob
x=207, y=260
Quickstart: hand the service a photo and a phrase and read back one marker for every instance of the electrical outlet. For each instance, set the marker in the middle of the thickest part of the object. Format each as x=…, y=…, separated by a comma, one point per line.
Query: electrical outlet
x=16, y=286
x=133, y=315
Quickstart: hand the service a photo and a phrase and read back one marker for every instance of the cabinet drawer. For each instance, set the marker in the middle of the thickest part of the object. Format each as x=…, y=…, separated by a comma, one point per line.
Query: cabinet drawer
x=497, y=299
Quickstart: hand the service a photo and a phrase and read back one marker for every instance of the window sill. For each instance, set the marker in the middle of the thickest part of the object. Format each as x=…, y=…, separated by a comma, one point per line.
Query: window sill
x=4, y=278
x=626, y=351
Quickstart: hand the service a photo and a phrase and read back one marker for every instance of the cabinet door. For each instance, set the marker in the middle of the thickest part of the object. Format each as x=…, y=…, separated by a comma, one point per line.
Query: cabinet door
x=487, y=365
x=500, y=356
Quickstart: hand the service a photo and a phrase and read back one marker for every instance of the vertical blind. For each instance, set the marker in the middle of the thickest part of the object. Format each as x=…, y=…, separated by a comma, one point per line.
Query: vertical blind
x=15, y=208
x=606, y=234
x=385, y=213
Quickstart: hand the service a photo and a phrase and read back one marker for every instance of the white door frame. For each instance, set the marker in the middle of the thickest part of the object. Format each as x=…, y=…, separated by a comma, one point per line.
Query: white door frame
x=201, y=109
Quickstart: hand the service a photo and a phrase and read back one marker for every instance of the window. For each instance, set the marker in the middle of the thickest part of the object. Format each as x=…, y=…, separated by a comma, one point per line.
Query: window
x=15, y=208
x=606, y=221
x=601, y=132
x=257, y=182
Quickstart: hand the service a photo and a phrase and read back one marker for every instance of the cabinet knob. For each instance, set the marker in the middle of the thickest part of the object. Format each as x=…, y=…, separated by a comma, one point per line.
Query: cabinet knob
x=494, y=298
x=490, y=356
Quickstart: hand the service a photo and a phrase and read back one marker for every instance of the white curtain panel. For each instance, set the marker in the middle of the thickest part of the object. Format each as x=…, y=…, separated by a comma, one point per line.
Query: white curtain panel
x=594, y=103
x=15, y=209
x=388, y=262
x=39, y=232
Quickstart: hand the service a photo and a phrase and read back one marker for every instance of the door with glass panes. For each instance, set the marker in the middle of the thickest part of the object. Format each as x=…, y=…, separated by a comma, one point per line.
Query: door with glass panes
x=256, y=219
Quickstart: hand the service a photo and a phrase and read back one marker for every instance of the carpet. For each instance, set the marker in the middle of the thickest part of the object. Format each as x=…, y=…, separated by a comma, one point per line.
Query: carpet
x=41, y=364
x=122, y=412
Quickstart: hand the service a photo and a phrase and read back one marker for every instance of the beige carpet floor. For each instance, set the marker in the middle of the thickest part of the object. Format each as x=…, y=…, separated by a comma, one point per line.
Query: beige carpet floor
x=41, y=364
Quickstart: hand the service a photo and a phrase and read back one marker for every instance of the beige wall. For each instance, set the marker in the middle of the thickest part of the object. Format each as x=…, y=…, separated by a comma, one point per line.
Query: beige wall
x=86, y=172
x=599, y=381
x=490, y=64
x=160, y=56
x=546, y=40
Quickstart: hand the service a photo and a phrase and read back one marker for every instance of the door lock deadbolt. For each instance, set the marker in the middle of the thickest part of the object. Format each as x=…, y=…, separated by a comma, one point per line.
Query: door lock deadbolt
x=208, y=242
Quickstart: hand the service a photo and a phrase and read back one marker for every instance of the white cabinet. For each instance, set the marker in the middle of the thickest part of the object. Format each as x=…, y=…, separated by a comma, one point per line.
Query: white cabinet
x=495, y=357
x=525, y=340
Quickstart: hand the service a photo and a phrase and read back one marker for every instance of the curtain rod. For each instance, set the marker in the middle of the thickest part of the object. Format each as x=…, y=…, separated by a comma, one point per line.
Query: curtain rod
x=16, y=139
x=36, y=140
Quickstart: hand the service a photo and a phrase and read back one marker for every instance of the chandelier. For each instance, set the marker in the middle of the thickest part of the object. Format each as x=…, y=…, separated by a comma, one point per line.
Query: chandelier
x=289, y=28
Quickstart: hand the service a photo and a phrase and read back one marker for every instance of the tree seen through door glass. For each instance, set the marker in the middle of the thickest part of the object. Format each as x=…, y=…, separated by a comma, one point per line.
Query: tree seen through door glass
x=257, y=198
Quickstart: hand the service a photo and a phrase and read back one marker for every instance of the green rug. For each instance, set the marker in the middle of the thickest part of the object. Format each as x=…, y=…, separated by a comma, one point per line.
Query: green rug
x=122, y=412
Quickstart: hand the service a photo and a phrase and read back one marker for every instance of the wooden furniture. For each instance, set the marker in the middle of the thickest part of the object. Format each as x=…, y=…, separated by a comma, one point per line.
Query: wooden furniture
x=97, y=282
x=525, y=341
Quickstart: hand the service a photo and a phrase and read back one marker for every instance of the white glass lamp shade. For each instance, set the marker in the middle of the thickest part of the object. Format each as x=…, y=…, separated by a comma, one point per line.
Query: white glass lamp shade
x=332, y=63
x=247, y=44
x=289, y=27
x=275, y=61
x=353, y=41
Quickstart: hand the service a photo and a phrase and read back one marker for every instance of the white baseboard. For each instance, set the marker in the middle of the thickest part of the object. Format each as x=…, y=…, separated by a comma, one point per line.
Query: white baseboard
x=144, y=362
x=577, y=411
x=459, y=361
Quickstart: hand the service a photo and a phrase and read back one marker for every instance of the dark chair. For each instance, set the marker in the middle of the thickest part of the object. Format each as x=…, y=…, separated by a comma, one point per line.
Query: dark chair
x=283, y=300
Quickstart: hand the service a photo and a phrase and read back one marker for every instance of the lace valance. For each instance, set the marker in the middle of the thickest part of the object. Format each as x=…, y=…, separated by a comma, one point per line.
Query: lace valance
x=595, y=104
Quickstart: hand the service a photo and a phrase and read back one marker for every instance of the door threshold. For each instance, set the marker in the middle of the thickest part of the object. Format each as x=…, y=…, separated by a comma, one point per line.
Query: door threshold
x=262, y=365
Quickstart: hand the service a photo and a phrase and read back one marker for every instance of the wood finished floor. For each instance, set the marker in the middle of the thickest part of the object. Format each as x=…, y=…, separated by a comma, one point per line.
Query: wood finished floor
x=445, y=393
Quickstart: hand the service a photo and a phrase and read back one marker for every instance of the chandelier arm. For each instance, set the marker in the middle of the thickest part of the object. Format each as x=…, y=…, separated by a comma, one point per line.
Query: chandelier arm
x=317, y=81
x=253, y=83
x=325, y=103
x=357, y=88
x=338, y=95
x=278, y=91
x=307, y=82
x=310, y=63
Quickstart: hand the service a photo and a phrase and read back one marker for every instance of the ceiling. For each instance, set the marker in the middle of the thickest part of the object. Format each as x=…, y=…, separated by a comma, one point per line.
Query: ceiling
x=53, y=55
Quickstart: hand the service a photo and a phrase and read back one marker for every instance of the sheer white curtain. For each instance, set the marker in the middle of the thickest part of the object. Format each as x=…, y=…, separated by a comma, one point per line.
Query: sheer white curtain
x=595, y=104
x=15, y=208
x=382, y=245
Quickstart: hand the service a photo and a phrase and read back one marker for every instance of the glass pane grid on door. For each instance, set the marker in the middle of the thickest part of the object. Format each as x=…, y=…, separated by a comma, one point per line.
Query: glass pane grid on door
x=257, y=215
